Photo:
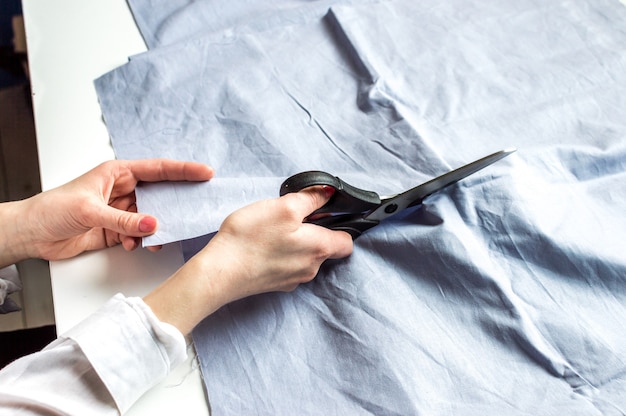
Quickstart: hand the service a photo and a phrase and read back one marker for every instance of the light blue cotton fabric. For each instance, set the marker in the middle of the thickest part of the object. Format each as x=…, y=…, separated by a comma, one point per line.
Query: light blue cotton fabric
x=504, y=294
x=164, y=22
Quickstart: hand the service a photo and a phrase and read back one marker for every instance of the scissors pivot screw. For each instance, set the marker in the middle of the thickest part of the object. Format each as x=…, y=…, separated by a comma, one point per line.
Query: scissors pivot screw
x=391, y=208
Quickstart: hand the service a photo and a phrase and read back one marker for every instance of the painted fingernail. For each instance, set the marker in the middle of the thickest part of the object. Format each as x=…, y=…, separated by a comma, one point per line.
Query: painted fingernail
x=147, y=224
x=328, y=190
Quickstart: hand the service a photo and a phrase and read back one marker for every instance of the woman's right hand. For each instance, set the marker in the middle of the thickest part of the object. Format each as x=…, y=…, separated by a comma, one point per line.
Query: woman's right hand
x=263, y=247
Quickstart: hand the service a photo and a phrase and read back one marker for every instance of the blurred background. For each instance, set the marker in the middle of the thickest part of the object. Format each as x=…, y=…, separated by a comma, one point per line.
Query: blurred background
x=28, y=324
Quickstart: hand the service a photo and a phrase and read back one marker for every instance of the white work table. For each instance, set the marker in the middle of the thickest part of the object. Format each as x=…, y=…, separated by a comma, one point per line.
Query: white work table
x=71, y=43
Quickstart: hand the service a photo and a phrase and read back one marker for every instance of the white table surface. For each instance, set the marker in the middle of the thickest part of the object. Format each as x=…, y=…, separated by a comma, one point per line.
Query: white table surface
x=70, y=43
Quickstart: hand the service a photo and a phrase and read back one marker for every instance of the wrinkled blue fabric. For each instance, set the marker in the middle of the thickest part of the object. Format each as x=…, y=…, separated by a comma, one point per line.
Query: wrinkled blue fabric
x=164, y=22
x=504, y=294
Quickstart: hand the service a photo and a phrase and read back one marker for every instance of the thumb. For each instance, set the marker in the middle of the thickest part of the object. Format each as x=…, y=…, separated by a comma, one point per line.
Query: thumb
x=315, y=197
x=127, y=223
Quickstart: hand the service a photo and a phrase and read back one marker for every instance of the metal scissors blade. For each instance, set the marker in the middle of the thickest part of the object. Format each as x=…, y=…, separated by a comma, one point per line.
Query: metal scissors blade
x=414, y=196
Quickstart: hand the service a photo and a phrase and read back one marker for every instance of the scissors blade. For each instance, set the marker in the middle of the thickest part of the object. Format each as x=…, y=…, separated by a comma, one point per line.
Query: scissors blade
x=415, y=196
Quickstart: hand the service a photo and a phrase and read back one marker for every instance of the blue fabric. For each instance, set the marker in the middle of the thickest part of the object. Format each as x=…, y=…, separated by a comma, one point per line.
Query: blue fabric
x=504, y=294
x=164, y=22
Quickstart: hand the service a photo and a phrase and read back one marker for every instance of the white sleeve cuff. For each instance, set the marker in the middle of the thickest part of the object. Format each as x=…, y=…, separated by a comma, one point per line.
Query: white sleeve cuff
x=129, y=348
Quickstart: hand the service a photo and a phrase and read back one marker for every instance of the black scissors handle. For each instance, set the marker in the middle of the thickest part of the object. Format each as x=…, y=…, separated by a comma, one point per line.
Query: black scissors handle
x=353, y=224
x=346, y=200
x=345, y=209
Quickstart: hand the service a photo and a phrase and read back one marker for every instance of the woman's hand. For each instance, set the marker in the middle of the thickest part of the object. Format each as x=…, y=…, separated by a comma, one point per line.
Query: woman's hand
x=94, y=211
x=263, y=247
x=269, y=248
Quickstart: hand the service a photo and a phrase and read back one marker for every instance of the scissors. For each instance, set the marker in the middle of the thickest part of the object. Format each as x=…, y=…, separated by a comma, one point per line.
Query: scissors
x=356, y=210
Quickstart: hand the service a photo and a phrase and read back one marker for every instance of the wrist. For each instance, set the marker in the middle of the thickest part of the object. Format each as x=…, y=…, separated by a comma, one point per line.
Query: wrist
x=14, y=238
x=186, y=297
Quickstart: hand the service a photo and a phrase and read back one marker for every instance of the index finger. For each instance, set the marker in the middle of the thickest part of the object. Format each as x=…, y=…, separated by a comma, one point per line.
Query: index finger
x=157, y=170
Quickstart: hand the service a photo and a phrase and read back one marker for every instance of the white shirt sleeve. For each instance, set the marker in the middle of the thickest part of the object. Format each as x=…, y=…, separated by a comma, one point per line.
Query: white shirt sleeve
x=100, y=367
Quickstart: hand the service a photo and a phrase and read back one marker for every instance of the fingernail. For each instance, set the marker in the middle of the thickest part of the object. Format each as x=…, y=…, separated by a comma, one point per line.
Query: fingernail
x=147, y=224
x=328, y=190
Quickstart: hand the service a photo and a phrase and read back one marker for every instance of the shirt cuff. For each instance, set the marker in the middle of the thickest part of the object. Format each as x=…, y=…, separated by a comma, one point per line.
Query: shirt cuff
x=129, y=348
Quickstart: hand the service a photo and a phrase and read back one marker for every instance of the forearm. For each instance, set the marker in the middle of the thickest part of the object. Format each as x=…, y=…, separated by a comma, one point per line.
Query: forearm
x=224, y=271
x=14, y=234
x=195, y=291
